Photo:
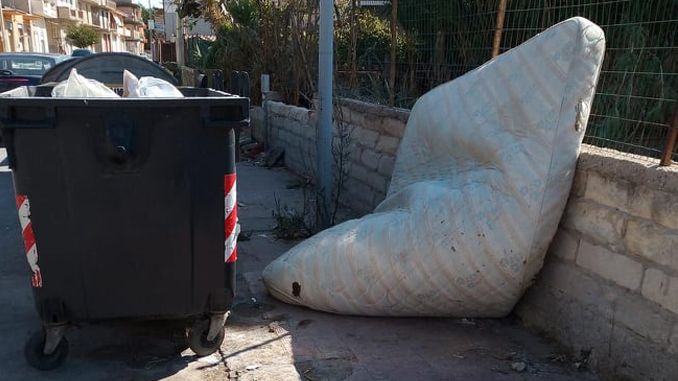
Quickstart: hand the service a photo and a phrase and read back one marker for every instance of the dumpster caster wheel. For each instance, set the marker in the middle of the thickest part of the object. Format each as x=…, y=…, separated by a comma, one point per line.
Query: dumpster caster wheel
x=35, y=355
x=197, y=338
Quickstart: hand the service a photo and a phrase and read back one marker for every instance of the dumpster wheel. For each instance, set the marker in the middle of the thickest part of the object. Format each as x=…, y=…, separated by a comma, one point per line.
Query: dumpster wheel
x=197, y=338
x=34, y=352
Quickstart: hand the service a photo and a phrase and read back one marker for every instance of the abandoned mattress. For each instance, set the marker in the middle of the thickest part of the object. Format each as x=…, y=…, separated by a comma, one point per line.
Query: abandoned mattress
x=480, y=183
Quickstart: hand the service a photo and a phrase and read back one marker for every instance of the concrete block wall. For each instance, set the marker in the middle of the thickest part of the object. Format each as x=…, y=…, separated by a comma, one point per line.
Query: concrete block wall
x=610, y=281
x=609, y=286
x=372, y=136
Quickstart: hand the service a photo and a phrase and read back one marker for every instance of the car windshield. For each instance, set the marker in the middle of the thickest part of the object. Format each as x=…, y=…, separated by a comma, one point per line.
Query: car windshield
x=26, y=65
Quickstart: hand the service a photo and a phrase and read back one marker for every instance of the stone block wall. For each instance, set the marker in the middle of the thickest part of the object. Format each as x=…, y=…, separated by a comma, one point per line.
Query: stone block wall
x=371, y=134
x=609, y=287
x=610, y=282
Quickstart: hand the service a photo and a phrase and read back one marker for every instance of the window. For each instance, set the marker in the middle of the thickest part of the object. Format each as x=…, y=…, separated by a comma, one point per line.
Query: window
x=26, y=65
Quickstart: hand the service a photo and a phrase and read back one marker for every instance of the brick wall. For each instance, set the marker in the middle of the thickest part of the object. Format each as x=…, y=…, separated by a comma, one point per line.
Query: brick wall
x=610, y=280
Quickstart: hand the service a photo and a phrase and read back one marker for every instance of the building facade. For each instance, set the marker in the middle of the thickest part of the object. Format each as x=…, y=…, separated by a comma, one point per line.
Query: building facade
x=41, y=25
x=25, y=25
x=133, y=26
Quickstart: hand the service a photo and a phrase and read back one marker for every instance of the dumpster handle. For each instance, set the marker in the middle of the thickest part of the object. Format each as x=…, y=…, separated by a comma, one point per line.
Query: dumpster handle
x=7, y=123
x=8, y=119
x=226, y=123
x=211, y=123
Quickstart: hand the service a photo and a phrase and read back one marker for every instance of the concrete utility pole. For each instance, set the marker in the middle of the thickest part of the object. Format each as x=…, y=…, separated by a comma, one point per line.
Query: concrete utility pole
x=324, y=135
x=150, y=31
x=5, y=40
x=180, y=40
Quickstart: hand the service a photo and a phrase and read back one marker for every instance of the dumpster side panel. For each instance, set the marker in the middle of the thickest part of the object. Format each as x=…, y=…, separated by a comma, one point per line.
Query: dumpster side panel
x=127, y=203
x=216, y=159
x=39, y=176
x=134, y=211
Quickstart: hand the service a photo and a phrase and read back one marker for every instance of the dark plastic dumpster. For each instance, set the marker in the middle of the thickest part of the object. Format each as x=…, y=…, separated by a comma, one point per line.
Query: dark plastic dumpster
x=108, y=68
x=128, y=210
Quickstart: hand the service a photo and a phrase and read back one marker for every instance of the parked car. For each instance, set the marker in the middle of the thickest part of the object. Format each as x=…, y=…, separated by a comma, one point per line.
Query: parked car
x=25, y=69
x=81, y=52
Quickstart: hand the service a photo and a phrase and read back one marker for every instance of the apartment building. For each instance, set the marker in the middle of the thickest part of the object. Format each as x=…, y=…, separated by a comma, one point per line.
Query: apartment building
x=41, y=25
x=133, y=25
x=26, y=24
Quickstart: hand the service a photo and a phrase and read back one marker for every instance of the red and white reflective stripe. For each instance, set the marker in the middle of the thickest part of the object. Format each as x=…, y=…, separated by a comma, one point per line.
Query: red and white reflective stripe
x=231, y=218
x=24, y=208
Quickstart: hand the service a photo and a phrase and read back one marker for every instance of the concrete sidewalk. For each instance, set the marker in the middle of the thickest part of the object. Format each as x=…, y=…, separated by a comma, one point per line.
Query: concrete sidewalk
x=266, y=339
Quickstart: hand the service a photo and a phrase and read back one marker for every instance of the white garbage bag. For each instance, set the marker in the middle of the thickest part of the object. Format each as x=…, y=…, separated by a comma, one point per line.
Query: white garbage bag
x=77, y=86
x=18, y=92
x=157, y=88
x=150, y=87
x=480, y=183
x=130, y=85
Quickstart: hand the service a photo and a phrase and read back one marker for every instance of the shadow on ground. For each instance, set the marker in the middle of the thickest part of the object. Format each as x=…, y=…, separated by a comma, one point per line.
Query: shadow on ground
x=266, y=339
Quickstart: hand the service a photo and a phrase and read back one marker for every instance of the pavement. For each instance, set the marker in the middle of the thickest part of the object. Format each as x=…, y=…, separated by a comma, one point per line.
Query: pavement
x=267, y=339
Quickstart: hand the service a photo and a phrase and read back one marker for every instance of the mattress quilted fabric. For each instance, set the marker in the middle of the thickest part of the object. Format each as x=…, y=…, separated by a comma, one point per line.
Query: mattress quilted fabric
x=480, y=183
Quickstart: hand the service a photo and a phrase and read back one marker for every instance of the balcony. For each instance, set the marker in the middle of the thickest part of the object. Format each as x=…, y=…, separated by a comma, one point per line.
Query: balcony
x=44, y=8
x=134, y=36
x=67, y=14
x=96, y=20
x=16, y=4
x=132, y=20
x=49, y=8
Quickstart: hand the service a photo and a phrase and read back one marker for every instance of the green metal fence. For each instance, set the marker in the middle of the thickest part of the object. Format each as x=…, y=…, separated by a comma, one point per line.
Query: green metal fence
x=438, y=40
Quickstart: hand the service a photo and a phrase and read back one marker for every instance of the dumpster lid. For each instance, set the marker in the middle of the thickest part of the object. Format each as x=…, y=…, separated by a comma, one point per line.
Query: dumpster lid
x=108, y=68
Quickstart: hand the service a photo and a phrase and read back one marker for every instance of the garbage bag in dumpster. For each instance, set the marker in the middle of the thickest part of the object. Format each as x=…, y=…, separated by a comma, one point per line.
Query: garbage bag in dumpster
x=77, y=86
x=480, y=183
x=108, y=68
x=127, y=208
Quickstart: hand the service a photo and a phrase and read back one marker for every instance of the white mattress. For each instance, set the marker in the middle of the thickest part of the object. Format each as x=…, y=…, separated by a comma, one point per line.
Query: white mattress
x=480, y=183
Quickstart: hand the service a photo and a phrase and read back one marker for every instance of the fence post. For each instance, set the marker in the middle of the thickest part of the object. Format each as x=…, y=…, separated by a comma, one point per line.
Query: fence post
x=671, y=136
x=499, y=28
x=394, y=44
x=353, y=80
x=324, y=131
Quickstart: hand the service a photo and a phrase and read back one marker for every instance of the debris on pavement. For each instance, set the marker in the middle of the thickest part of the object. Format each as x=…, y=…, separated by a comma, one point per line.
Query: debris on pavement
x=211, y=359
x=504, y=356
x=275, y=157
x=519, y=366
x=558, y=357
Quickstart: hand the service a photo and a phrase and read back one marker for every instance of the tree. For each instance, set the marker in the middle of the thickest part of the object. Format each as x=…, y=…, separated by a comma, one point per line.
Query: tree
x=82, y=35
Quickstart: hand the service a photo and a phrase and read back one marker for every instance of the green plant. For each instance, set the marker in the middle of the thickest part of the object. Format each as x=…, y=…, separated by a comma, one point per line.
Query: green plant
x=290, y=222
x=82, y=35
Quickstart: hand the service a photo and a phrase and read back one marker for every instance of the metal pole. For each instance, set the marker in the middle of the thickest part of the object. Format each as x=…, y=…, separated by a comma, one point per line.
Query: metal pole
x=499, y=29
x=324, y=134
x=150, y=31
x=671, y=137
x=5, y=38
x=180, y=40
x=265, y=89
x=394, y=44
